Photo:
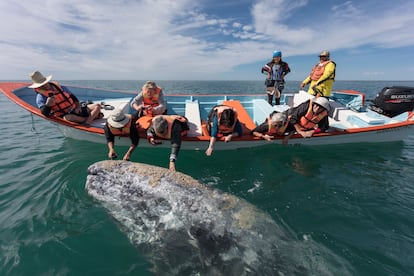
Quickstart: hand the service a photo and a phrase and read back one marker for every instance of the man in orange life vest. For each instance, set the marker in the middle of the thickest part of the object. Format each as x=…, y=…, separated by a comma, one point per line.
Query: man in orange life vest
x=123, y=125
x=168, y=127
x=55, y=99
x=150, y=101
x=322, y=76
x=275, y=125
x=308, y=118
x=222, y=122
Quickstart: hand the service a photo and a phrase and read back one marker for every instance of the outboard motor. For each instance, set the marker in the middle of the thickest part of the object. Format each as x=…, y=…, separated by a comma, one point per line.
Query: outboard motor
x=394, y=100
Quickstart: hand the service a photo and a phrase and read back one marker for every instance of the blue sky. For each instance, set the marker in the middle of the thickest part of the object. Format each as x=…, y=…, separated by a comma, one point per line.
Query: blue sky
x=204, y=39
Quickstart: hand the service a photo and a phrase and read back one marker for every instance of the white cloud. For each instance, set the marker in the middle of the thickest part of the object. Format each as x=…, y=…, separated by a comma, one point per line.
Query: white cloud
x=177, y=39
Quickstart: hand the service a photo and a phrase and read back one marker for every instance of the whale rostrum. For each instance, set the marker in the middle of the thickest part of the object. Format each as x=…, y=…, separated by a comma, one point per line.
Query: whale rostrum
x=183, y=227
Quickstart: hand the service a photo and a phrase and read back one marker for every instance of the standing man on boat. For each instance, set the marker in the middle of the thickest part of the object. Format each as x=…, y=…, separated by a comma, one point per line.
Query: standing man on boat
x=168, y=127
x=275, y=71
x=222, y=123
x=121, y=125
x=322, y=76
x=55, y=99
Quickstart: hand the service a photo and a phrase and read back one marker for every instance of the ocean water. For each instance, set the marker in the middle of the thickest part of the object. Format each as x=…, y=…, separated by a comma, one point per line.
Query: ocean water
x=355, y=200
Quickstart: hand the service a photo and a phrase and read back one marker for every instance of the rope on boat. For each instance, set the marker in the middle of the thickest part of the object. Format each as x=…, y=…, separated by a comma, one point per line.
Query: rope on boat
x=33, y=125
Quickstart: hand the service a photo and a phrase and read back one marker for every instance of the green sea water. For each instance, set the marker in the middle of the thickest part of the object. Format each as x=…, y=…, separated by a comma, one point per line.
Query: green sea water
x=356, y=200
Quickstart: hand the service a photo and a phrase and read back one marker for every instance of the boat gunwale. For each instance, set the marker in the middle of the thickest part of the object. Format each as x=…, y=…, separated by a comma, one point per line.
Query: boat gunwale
x=9, y=88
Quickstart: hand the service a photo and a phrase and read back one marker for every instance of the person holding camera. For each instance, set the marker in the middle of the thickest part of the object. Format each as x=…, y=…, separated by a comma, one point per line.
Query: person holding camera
x=57, y=100
x=150, y=101
x=275, y=71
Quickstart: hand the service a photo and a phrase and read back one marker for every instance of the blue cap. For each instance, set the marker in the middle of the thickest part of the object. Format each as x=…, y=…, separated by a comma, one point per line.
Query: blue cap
x=277, y=53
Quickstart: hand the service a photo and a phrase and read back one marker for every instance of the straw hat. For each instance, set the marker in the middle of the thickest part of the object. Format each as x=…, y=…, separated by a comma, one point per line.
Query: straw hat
x=118, y=119
x=38, y=79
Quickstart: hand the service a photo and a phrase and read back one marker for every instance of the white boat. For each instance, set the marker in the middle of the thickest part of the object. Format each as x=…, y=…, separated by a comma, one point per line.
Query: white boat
x=389, y=118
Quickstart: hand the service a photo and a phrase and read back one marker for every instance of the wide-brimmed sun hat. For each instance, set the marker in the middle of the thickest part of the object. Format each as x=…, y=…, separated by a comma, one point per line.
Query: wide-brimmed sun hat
x=38, y=79
x=118, y=119
x=322, y=101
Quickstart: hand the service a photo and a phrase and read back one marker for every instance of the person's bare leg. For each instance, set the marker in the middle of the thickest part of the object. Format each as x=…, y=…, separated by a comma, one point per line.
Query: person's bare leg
x=95, y=109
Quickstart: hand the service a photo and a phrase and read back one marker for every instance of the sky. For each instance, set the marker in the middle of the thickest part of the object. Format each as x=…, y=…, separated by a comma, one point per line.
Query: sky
x=204, y=39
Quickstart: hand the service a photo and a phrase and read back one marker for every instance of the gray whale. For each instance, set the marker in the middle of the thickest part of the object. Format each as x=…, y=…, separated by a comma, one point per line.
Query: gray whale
x=185, y=228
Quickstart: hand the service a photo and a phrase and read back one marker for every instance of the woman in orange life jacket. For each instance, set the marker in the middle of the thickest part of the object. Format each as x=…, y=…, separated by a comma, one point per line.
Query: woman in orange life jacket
x=275, y=125
x=223, y=122
x=123, y=125
x=150, y=101
x=55, y=99
x=308, y=118
x=322, y=76
x=168, y=127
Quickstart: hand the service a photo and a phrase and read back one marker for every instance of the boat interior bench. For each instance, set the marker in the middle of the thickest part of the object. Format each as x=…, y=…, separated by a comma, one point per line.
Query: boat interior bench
x=192, y=113
x=111, y=104
x=262, y=109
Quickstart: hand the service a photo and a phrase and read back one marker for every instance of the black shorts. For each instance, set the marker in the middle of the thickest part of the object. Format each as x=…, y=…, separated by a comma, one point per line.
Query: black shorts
x=270, y=83
x=84, y=111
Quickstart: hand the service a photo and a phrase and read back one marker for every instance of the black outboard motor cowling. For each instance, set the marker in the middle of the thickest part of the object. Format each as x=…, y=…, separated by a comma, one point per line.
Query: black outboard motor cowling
x=394, y=100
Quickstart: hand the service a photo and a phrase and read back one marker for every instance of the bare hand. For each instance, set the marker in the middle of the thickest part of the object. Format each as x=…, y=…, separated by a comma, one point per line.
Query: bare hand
x=228, y=138
x=112, y=154
x=268, y=137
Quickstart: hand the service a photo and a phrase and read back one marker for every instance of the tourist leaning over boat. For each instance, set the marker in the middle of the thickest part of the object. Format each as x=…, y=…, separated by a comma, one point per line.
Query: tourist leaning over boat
x=168, y=127
x=322, y=76
x=222, y=122
x=275, y=125
x=276, y=70
x=150, y=100
x=55, y=99
x=308, y=118
x=121, y=125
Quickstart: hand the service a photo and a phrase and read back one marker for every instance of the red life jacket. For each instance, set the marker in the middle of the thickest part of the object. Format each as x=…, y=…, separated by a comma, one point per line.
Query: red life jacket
x=63, y=100
x=151, y=99
x=224, y=130
x=170, y=120
x=310, y=120
x=319, y=69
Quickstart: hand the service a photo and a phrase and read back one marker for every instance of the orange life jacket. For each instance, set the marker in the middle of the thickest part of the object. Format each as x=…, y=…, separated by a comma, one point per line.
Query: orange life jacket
x=310, y=120
x=151, y=99
x=273, y=131
x=125, y=131
x=221, y=128
x=319, y=69
x=63, y=101
x=170, y=120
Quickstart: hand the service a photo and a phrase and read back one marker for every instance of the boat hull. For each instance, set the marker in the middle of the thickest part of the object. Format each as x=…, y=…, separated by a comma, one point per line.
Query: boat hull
x=255, y=108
